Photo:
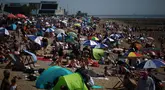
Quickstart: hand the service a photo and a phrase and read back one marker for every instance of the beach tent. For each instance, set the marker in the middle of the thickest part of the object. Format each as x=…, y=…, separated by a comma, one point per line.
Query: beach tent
x=73, y=82
x=50, y=75
x=97, y=53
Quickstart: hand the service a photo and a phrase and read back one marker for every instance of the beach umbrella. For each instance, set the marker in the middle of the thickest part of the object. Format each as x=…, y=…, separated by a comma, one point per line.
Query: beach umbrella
x=98, y=53
x=108, y=40
x=100, y=45
x=115, y=36
x=50, y=30
x=94, y=38
x=11, y=16
x=36, y=39
x=72, y=34
x=4, y=31
x=89, y=43
x=57, y=31
x=50, y=75
x=21, y=16
x=156, y=63
x=133, y=54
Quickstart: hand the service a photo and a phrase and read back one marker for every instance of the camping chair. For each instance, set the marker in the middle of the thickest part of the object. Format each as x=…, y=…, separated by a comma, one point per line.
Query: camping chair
x=17, y=62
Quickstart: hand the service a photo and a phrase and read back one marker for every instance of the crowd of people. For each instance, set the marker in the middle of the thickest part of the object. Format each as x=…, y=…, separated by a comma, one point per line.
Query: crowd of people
x=84, y=38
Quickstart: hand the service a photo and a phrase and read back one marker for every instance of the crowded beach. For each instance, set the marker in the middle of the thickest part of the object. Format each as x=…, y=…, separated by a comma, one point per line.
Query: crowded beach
x=79, y=53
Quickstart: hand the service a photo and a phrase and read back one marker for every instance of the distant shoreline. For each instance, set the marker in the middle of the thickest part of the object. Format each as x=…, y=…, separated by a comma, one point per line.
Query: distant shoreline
x=130, y=16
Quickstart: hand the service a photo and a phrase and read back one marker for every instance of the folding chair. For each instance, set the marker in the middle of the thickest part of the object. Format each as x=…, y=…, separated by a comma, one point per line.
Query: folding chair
x=17, y=62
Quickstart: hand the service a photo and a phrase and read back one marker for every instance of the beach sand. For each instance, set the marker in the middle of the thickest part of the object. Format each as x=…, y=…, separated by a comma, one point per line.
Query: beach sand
x=23, y=84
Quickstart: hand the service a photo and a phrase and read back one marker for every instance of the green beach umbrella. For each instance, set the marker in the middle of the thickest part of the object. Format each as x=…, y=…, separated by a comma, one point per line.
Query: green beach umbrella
x=72, y=34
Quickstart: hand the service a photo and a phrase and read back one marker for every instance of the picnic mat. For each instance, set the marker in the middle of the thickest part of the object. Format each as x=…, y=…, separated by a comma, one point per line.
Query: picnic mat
x=44, y=59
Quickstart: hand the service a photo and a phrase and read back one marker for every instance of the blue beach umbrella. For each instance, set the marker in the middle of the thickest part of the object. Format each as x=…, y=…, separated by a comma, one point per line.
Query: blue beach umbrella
x=50, y=75
x=90, y=43
x=49, y=30
x=36, y=39
x=156, y=63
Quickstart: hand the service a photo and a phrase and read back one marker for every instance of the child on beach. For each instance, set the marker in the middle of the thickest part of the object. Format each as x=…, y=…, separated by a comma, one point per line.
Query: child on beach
x=13, y=84
x=5, y=85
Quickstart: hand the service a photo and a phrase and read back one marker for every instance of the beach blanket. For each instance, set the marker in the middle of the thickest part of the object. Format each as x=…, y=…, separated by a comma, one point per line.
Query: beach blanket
x=44, y=59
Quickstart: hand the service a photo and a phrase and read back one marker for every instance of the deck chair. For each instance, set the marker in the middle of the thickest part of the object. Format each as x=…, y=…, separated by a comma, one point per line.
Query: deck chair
x=16, y=61
x=30, y=58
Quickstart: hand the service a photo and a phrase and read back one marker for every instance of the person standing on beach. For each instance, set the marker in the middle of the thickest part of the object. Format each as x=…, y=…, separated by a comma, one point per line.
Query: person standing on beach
x=145, y=82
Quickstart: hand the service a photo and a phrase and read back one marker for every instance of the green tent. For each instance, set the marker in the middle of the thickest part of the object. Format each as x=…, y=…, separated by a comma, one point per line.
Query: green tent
x=72, y=81
x=97, y=53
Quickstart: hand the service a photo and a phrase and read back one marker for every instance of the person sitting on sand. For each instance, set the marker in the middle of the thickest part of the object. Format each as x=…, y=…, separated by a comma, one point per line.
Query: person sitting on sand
x=106, y=73
x=5, y=85
x=13, y=84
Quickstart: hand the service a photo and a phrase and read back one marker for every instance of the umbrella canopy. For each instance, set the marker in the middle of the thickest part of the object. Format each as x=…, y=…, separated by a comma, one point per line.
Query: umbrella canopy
x=156, y=63
x=94, y=38
x=133, y=54
x=36, y=39
x=57, y=31
x=4, y=31
x=50, y=30
x=70, y=39
x=50, y=75
x=108, y=40
x=115, y=36
x=89, y=43
x=98, y=53
x=72, y=34
x=11, y=16
x=21, y=16
x=100, y=45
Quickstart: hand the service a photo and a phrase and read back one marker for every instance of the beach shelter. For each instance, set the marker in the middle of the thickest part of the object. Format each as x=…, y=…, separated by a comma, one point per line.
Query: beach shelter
x=98, y=53
x=3, y=31
x=36, y=39
x=73, y=82
x=50, y=75
x=12, y=27
x=133, y=54
x=57, y=31
x=60, y=35
x=156, y=63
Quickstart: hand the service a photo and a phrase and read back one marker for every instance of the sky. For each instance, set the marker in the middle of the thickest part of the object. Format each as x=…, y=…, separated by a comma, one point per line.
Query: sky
x=109, y=7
